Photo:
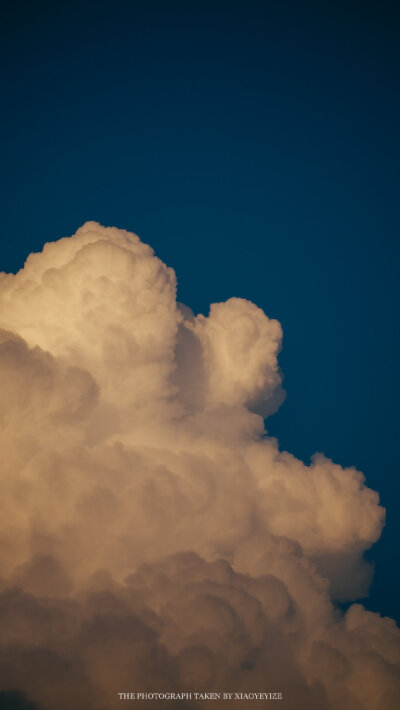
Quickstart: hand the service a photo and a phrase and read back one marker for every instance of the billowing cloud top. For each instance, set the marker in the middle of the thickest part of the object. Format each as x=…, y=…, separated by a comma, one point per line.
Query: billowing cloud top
x=153, y=537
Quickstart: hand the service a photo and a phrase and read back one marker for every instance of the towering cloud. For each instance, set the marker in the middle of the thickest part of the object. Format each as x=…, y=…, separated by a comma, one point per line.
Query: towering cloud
x=153, y=538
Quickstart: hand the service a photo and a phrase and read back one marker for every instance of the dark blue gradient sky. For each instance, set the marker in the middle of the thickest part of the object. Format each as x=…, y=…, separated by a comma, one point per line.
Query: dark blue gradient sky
x=255, y=146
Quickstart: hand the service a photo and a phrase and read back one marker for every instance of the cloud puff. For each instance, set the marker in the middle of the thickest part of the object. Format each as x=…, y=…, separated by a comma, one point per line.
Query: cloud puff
x=152, y=536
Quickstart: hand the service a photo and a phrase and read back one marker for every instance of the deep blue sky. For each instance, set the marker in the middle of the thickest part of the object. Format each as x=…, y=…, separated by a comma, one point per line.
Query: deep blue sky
x=255, y=146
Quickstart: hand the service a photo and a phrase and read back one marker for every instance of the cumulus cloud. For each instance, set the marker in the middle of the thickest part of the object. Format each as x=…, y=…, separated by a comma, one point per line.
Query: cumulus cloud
x=153, y=537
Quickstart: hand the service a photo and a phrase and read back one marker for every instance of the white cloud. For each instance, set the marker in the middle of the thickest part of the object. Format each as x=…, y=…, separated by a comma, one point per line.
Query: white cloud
x=152, y=536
